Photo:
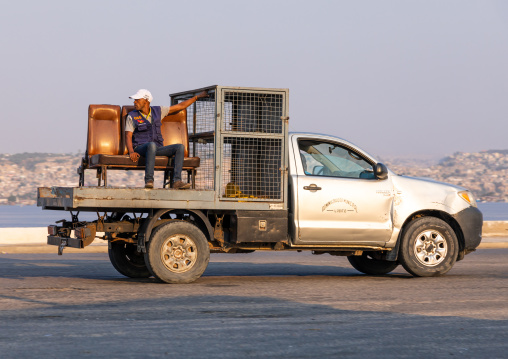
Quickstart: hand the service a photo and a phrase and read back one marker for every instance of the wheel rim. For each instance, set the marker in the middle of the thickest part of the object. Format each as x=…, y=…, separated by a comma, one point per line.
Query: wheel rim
x=430, y=248
x=179, y=253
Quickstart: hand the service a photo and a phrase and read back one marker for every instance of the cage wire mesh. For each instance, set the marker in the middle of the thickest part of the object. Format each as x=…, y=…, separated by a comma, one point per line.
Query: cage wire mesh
x=252, y=112
x=201, y=126
x=251, y=164
x=251, y=168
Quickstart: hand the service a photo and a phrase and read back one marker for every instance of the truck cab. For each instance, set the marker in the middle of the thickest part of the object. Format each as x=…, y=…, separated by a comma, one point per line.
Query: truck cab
x=342, y=195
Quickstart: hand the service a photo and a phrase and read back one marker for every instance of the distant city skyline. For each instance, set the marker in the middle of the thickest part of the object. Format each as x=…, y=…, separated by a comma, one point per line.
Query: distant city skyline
x=397, y=78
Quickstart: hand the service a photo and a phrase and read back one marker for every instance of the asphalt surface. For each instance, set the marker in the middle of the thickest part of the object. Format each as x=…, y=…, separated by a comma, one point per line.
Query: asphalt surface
x=258, y=305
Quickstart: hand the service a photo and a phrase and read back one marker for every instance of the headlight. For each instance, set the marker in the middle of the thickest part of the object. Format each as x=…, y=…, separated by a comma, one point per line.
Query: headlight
x=468, y=197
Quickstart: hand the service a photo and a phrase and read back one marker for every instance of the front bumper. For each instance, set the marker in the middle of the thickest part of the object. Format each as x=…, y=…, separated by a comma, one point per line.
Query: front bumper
x=470, y=221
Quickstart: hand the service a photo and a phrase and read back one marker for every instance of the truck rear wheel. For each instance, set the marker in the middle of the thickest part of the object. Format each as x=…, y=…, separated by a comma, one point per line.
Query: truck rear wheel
x=177, y=252
x=429, y=247
x=127, y=260
x=372, y=266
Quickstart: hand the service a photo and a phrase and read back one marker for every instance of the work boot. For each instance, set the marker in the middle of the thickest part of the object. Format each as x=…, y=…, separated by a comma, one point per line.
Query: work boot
x=149, y=184
x=181, y=185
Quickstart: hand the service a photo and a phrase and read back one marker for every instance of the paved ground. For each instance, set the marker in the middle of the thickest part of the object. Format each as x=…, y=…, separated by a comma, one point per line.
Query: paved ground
x=284, y=305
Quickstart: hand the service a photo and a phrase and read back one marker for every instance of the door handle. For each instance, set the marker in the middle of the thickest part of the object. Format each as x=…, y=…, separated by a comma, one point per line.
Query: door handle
x=312, y=187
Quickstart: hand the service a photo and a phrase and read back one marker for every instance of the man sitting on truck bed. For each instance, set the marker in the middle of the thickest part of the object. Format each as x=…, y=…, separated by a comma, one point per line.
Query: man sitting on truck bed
x=144, y=138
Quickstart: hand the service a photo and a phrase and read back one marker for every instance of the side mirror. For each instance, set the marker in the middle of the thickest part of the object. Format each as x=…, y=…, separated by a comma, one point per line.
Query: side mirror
x=380, y=171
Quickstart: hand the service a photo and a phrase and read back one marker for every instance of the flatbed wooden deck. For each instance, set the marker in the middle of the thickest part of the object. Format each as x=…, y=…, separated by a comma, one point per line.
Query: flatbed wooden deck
x=139, y=199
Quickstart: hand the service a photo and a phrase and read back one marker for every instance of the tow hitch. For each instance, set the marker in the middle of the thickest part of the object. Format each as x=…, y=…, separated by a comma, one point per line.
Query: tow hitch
x=60, y=235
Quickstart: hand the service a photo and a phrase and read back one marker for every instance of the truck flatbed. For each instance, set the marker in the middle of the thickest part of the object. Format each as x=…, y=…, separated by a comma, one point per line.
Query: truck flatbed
x=127, y=199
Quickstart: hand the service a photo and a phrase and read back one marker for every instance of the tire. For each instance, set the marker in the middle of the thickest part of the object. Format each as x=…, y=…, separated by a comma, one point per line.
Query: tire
x=177, y=252
x=429, y=247
x=372, y=266
x=127, y=260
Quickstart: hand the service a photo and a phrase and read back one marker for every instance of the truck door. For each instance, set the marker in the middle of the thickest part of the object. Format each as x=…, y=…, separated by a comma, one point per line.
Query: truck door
x=339, y=200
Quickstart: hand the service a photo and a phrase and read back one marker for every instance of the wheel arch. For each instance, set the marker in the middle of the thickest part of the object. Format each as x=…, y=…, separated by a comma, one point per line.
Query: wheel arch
x=440, y=215
x=203, y=223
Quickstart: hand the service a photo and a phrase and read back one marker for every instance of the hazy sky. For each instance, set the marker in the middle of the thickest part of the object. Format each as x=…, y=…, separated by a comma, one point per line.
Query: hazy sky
x=398, y=78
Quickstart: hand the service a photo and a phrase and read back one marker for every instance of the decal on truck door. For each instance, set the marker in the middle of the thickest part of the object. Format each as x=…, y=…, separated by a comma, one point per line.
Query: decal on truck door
x=340, y=205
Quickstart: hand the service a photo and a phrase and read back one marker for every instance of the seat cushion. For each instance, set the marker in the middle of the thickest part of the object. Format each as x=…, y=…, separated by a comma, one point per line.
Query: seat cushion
x=124, y=161
x=103, y=130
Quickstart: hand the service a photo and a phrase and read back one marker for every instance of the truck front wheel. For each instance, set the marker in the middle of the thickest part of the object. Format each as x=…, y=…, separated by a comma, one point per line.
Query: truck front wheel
x=372, y=266
x=177, y=252
x=127, y=260
x=429, y=247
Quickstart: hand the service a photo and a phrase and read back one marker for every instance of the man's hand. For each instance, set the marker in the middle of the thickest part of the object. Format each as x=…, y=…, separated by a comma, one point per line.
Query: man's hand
x=202, y=94
x=134, y=156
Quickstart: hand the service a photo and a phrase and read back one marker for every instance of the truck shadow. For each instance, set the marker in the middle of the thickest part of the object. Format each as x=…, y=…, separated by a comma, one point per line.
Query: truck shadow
x=96, y=266
x=249, y=269
x=99, y=268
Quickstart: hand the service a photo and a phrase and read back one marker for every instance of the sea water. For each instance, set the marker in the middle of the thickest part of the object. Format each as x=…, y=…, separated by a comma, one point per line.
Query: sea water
x=33, y=216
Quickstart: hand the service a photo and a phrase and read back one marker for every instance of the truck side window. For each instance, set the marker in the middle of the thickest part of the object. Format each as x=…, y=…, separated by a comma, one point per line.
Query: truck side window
x=332, y=160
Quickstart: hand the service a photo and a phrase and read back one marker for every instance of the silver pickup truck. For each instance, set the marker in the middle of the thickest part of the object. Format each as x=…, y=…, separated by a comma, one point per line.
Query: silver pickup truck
x=259, y=187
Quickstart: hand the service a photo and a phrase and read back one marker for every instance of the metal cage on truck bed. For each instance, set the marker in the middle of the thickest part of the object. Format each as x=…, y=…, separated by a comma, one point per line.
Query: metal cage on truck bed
x=240, y=136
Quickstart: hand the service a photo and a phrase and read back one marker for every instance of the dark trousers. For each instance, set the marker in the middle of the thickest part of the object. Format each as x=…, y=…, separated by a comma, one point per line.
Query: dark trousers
x=150, y=150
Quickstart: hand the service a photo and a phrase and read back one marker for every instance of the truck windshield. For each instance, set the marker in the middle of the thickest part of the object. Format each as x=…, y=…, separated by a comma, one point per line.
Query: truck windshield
x=329, y=159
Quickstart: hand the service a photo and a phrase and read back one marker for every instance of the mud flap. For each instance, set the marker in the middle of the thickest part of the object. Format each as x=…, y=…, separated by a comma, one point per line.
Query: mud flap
x=393, y=255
